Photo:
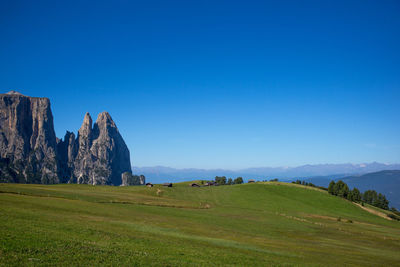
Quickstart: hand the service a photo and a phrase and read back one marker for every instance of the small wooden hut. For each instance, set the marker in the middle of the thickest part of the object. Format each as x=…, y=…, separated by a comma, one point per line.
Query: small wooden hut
x=211, y=184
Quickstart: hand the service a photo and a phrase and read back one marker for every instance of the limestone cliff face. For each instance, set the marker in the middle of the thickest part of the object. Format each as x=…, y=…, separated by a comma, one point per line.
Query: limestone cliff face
x=31, y=153
x=102, y=153
x=83, y=162
x=27, y=140
x=67, y=151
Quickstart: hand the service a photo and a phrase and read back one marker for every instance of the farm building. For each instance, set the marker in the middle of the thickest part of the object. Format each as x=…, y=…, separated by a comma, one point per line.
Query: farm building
x=211, y=183
x=251, y=181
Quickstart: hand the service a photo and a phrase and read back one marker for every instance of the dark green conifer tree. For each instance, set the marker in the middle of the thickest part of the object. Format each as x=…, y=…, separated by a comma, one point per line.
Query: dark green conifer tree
x=331, y=188
x=238, y=180
x=355, y=195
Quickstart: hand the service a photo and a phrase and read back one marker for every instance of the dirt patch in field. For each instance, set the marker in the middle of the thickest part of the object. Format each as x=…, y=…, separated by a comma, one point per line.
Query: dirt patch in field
x=321, y=217
x=330, y=218
x=378, y=213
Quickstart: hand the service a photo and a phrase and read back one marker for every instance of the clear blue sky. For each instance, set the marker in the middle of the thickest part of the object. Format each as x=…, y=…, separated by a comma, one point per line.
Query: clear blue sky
x=216, y=84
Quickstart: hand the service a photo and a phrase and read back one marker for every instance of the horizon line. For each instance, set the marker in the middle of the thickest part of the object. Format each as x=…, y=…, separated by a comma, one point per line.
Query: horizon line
x=275, y=167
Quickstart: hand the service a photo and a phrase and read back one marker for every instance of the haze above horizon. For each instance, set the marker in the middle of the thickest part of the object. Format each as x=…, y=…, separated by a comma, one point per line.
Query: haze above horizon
x=209, y=84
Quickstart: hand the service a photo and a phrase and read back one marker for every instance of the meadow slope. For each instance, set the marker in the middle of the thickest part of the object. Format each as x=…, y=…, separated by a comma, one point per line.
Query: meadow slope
x=260, y=224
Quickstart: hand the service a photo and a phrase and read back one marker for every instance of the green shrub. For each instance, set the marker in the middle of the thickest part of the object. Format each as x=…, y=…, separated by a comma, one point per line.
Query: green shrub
x=394, y=217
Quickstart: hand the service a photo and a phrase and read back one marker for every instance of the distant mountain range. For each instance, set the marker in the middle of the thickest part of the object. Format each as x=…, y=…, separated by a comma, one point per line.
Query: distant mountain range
x=160, y=174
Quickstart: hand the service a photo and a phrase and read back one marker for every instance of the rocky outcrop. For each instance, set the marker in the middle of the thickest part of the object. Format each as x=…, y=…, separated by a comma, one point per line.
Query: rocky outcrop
x=129, y=179
x=31, y=153
x=102, y=154
x=27, y=140
x=66, y=151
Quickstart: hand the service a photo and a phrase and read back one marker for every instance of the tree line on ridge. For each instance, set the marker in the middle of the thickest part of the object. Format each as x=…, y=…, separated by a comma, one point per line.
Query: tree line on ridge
x=371, y=197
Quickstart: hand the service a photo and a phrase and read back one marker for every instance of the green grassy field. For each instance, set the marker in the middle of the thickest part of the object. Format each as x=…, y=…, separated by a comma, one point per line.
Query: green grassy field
x=263, y=224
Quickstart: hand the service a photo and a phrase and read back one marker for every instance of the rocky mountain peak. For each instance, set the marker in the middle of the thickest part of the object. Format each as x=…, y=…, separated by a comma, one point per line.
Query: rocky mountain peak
x=86, y=127
x=104, y=119
x=102, y=154
x=14, y=93
x=27, y=140
x=31, y=153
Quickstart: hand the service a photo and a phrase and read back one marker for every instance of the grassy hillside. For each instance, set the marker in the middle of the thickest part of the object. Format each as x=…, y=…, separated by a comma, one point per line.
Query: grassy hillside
x=252, y=224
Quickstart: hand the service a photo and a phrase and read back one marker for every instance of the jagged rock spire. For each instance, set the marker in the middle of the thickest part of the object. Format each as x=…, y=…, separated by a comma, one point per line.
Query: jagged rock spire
x=86, y=128
x=105, y=118
x=31, y=153
x=102, y=153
